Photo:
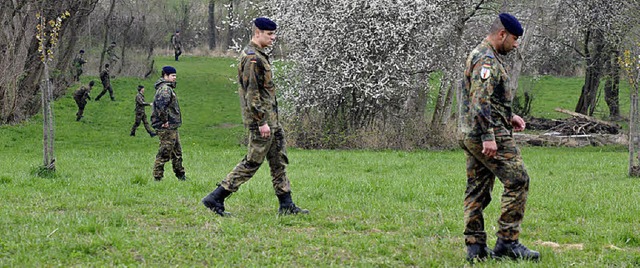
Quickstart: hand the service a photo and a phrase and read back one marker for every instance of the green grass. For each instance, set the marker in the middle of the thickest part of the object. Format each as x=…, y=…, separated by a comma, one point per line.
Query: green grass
x=368, y=208
x=552, y=92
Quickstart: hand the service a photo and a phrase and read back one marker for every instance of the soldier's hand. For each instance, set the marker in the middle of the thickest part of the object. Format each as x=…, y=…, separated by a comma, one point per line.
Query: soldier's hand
x=518, y=123
x=489, y=148
x=165, y=125
x=265, y=131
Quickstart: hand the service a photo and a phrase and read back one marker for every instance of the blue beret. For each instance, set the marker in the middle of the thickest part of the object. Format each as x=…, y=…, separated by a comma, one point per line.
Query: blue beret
x=511, y=24
x=168, y=70
x=265, y=24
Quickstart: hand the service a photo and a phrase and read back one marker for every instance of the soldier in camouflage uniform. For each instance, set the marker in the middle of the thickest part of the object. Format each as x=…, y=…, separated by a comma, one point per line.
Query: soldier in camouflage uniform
x=141, y=116
x=260, y=113
x=490, y=148
x=177, y=44
x=111, y=53
x=77, y=64
x=106, y=83
x=166, y=119
x=81, y=96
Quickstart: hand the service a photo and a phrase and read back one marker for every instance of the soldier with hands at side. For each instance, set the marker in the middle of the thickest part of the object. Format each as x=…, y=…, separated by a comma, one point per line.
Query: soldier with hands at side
x=260, y=113
x=166, y=118
x=490, y=150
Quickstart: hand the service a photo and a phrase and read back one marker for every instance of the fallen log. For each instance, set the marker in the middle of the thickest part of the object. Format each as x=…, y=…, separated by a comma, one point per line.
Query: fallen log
x=586, y=117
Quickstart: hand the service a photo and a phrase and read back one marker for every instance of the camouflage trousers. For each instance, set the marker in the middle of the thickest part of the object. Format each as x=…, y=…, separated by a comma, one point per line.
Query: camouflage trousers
x=76, y=75
x=141, y=117
x=274, y=149
x=104, y=90
x=177, y=53
x=170, y=149
x=81, y=104
x=509, y=167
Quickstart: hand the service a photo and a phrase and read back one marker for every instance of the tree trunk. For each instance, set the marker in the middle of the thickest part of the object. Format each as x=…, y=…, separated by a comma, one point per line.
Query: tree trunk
x=212, y=25
x=229, y=28
x=107, y=21
x=124, y=44
x=612, y=85
x=594, y=59
x=48, y=136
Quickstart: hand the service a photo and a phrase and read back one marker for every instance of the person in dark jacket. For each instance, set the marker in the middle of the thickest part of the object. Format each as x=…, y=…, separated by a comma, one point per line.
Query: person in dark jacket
x=166, y=119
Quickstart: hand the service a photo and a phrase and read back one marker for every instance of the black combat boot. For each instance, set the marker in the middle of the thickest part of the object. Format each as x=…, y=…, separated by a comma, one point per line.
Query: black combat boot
x=181, y=176
x=288, y=207
x=152, y=134
x=215, y=201
x=514, y=250
x=132, y=134
x=478, y=252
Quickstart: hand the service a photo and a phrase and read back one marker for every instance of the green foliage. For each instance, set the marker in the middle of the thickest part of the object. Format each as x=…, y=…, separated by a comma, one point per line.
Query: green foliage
x=368, y=208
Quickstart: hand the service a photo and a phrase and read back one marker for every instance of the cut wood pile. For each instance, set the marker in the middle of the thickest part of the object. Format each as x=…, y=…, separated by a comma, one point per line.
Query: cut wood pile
x=575, y=131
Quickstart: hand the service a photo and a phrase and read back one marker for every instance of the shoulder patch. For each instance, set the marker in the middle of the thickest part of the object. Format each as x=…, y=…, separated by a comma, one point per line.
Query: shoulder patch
x=485, y=72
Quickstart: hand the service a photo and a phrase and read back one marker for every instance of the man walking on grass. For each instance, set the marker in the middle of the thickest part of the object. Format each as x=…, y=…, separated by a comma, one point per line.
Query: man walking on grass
x=166, y=119
x=81, y=96
x=260, y=111
x=105, y=78
x=141, y=116
x=490, y=148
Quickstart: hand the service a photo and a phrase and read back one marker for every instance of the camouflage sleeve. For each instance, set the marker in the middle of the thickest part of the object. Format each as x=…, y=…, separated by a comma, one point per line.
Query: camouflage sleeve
x=140, y=100
x=483, y=80
x=253, y=73
x=161, y=103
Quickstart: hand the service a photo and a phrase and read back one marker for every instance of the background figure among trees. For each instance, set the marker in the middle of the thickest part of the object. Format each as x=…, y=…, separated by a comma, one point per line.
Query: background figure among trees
x=111, y=53
x=177, y=44
x=106, y=83
x=141, y=116
x=81, y=96
x=77, y=63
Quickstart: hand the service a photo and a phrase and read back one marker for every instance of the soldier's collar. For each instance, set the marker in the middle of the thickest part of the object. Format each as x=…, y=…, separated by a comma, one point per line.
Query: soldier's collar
x=258, y=48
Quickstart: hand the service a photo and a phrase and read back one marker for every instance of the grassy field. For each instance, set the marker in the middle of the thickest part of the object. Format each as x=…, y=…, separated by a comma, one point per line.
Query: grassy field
x=368, y=208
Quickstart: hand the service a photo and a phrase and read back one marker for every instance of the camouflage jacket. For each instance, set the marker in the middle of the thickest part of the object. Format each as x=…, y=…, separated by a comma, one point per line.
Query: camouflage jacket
x=175, y=41
x=140, y=103
x=112, y=53
x=78, y=62
x=257, y=91
x=486, y=98
x=165, y=106
x=82, y=94
x=104, y=77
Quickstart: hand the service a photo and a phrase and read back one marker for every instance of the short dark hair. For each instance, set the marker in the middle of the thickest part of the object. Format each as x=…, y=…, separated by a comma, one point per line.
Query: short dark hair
x=106, y=65
x=140, y=87
x=91, y=83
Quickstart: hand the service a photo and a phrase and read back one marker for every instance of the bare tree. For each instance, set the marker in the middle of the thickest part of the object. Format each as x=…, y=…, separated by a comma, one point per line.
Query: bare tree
x=107, y=27
x=212, y=24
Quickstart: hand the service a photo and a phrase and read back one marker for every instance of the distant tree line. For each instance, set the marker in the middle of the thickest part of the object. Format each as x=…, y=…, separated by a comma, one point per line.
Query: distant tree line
x=141, y=30
x=365, y=66
x=358, y=66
